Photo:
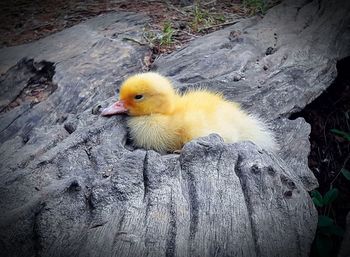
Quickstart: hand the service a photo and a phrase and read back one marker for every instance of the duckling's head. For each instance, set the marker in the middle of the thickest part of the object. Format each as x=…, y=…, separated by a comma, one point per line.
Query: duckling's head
x=144, y=94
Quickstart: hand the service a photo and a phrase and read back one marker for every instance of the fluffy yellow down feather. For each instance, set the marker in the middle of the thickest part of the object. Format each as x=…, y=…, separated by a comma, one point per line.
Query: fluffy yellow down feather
x=163, y=120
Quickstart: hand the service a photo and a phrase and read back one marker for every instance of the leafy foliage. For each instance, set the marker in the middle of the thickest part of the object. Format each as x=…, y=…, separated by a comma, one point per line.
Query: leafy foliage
x=345, y=135
x=256, y=6
x=327, y=229
x=167, y=34
x=160, y=38
x=317, y=198
x=203, y=19
x=330, y=196
x=345, y=173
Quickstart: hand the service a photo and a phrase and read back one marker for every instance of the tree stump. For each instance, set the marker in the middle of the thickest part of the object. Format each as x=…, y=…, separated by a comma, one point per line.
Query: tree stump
x=73, y=185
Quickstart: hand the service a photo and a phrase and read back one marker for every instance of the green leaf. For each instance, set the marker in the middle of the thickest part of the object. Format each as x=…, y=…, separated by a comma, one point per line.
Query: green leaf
x=317, y=198
x=324, y=221
x=344, y=134
x=317, y=195
x=330, y=196
x=317, y=202
x=346, y=173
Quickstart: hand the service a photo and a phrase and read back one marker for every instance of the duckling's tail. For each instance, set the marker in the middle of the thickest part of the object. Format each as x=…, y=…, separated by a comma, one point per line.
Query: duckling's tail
x=263, y=135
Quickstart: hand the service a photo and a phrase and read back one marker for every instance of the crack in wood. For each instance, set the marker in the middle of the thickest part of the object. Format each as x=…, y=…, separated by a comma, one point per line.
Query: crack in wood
x=239, y=173
x=145, y=176
x=194, y=204
x=36, y=233
x=172, y=231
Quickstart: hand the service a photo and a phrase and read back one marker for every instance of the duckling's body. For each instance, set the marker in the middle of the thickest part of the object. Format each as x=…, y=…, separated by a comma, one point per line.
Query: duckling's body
x=171, y=120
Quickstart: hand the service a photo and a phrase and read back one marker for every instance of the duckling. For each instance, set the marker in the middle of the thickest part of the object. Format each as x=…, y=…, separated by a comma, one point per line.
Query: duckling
x=163, y=120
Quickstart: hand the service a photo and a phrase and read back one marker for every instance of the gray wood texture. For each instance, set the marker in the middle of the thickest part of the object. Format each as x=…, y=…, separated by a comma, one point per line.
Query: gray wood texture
x=72, y=185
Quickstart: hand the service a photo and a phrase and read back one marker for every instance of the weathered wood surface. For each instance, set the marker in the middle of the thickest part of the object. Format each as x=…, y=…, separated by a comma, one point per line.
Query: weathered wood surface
x=71, y=185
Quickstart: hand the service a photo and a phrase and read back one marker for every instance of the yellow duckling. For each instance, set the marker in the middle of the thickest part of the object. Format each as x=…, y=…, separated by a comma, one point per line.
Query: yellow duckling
x=162, y=120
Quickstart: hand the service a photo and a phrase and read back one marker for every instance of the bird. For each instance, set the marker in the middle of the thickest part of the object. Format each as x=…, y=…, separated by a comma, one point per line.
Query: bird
x=162, y=119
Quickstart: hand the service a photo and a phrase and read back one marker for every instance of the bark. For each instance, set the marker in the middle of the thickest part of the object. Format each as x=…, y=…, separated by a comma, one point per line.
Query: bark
x=72, y=185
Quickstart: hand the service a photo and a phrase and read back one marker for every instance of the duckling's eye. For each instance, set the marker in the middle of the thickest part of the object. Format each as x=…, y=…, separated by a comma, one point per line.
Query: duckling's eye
x=138, y=97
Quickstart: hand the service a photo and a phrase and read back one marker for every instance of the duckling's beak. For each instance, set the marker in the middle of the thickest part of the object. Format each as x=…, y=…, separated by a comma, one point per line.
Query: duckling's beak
x=116, y=108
